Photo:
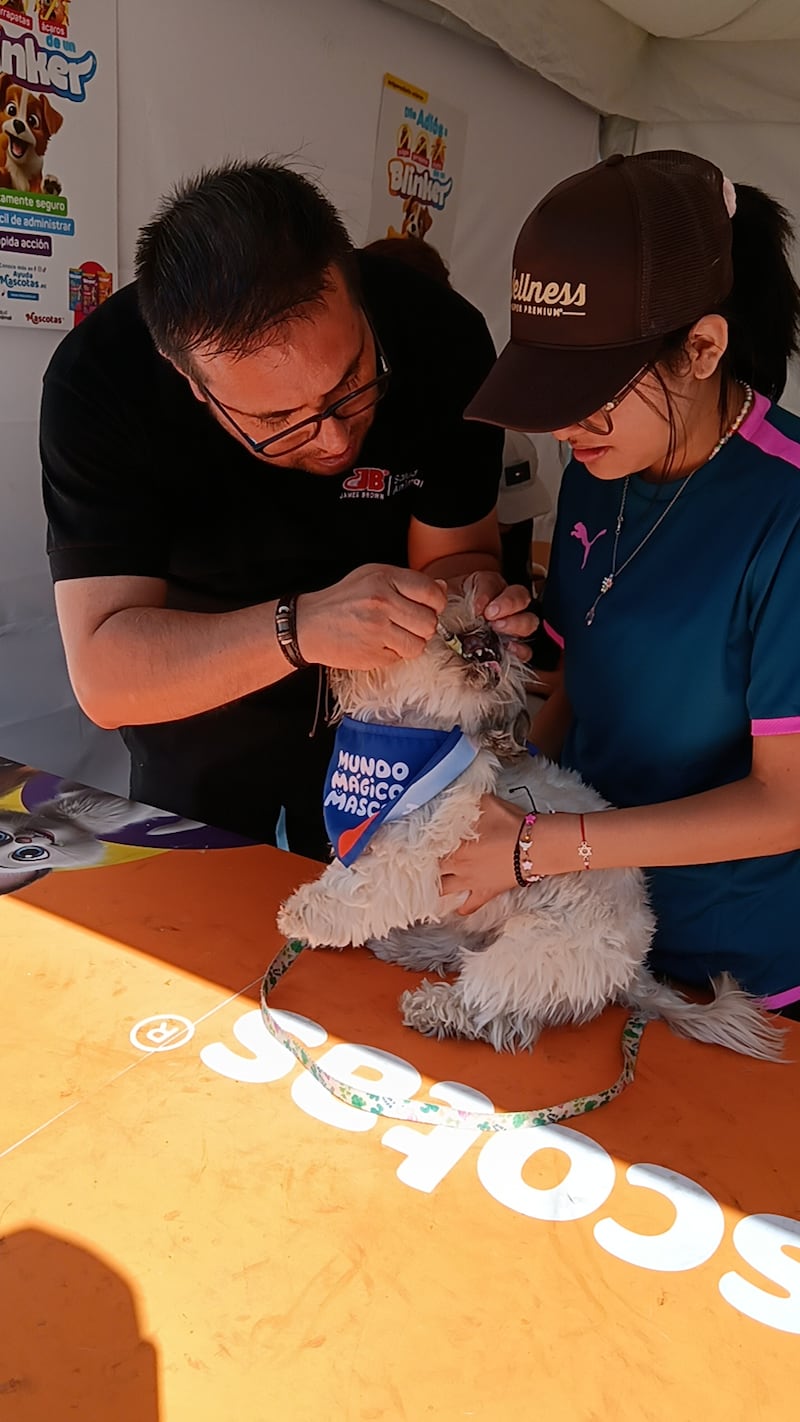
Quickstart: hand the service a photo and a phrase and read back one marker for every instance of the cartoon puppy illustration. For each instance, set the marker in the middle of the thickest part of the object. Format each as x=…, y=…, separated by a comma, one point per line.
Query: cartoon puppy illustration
x=27, y=123
x=404, y=140
x=417, y=221
x=438, y=152
x=53, y=12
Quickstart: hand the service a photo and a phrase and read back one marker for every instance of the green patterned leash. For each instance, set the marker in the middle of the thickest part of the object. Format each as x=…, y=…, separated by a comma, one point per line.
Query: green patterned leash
x=427, y=1112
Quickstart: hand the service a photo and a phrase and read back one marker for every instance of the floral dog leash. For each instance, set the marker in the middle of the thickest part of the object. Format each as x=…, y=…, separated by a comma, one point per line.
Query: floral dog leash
x=428, y=1112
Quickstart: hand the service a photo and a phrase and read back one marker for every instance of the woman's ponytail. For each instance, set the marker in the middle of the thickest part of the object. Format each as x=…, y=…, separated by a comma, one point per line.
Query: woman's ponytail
x=763, y=309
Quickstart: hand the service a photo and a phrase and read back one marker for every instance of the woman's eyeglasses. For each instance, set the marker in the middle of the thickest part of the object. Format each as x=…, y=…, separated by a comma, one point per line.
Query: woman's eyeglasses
x=601, y=422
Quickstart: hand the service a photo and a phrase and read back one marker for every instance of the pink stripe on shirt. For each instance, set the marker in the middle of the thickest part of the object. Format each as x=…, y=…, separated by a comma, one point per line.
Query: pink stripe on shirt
x=756, y=430
x=781, y=999
x=553, y=635
x=776, y=726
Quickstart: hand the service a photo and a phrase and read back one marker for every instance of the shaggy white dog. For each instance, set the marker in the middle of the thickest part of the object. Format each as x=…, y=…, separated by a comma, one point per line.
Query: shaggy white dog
x=554, y=952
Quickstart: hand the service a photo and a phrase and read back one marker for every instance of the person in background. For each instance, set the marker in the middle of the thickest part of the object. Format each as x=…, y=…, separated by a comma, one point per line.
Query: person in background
x=653, y=314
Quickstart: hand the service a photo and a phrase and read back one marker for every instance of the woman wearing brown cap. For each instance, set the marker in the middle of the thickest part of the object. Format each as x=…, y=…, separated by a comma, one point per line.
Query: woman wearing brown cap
x=653, y=316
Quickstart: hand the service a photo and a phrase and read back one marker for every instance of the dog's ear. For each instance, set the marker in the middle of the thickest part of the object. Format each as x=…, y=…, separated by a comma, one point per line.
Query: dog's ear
x=6, y=80
x=425, y=221
x=52, y=118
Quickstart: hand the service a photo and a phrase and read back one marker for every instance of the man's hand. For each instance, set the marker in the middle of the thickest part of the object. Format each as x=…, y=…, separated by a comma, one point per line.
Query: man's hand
x=373, y=617
x=505, y=608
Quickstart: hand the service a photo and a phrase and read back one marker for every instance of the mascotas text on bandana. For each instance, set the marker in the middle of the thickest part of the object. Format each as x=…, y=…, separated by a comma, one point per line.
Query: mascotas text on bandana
x=379, y=773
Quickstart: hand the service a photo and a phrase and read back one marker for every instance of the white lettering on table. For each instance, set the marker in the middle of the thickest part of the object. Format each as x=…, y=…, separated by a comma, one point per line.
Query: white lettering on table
x=431, y=1152
x=586, y=1186
x=691, y=1239
x=269, y=1061
x=395, y=1078
x=762, y=1240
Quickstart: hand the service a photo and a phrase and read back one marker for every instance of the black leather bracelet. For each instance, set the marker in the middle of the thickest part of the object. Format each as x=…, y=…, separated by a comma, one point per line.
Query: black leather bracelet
x=286, y=631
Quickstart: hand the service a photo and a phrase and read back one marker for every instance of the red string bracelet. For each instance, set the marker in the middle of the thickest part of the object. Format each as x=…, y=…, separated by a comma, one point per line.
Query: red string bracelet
x=584, y=848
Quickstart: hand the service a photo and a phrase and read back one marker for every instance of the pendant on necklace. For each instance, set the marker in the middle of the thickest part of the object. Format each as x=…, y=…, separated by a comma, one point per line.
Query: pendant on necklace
x=606, y=586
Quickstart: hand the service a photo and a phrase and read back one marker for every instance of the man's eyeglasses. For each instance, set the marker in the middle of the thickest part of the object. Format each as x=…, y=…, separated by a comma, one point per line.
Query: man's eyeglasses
x=601, y=422
x=306, y=431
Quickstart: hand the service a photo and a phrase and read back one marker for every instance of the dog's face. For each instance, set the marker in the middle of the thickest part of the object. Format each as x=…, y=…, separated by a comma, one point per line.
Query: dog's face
x=27, y=123
x=416, y=219
x=469, y=680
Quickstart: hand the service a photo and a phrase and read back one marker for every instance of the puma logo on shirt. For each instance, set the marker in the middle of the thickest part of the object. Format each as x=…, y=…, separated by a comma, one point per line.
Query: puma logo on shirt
x=581, y=532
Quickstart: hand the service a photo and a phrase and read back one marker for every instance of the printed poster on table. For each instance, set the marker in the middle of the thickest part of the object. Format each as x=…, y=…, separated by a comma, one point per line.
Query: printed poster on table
x=419, y=157
x=58, y=160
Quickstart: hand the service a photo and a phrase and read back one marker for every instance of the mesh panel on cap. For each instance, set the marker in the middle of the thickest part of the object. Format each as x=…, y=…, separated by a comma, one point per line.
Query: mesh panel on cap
x=685, y=236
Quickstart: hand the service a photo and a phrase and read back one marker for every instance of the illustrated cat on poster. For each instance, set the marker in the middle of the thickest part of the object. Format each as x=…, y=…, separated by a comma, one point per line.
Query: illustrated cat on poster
x=68, y=830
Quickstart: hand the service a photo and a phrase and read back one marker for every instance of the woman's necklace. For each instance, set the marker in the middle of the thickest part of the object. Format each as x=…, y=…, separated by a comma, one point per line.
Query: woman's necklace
x=611, y=577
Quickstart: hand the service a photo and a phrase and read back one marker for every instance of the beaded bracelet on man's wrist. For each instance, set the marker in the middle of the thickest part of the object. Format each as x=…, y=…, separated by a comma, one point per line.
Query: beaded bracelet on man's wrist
x=286, y=631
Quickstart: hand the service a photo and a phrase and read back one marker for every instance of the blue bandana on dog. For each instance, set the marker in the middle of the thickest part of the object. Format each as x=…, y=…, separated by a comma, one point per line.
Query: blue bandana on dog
x=379, y=773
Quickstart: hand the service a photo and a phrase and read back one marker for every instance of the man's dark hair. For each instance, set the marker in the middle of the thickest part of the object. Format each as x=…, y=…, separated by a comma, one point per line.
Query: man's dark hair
x=234, y=253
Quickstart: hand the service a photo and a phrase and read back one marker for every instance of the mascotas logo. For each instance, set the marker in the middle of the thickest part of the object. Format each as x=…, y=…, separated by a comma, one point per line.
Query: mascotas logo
x=531, y=296
x=379, y=773
x=581, y=532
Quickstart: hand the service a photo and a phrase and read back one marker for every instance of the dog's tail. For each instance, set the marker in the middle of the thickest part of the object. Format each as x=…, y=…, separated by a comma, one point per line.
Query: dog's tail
x=732, y=1019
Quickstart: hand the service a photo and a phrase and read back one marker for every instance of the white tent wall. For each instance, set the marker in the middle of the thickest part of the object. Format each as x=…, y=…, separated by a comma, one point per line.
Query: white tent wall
x=763, y=154
x=199, y=82
x=653, y=60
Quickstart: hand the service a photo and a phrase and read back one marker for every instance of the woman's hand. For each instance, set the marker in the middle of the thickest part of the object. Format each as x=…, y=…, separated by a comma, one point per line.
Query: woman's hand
x=506, y=609
x=484, y=867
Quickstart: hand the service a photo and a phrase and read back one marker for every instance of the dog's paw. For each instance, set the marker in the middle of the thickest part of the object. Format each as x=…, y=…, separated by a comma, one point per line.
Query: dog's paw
x=439, y=1010
x=510, y=1032
x=291, y=920
x=51, y=184
x=436, y=1010
x=318, y=918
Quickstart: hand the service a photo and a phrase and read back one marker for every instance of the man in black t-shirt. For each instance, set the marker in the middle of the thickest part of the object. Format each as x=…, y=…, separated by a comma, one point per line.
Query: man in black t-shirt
x=255, y=467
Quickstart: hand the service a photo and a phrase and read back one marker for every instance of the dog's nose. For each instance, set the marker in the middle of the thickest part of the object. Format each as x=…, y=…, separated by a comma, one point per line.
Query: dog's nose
x=19, y=126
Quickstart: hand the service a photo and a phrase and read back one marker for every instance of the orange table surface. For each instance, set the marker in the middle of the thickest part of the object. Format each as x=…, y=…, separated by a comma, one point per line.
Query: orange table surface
x=194, y=1231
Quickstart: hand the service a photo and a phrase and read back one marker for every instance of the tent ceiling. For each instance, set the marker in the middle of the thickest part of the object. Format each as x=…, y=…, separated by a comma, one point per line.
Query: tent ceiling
x=648, y=60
